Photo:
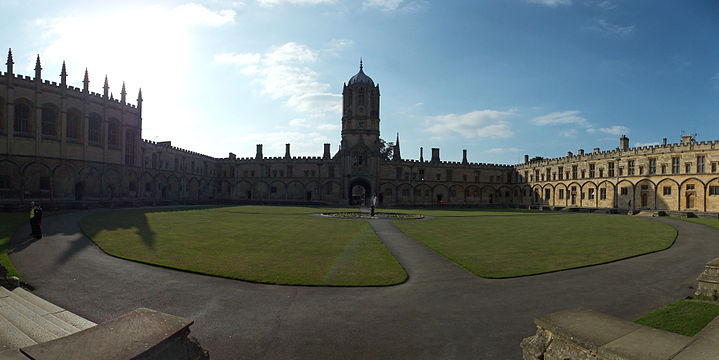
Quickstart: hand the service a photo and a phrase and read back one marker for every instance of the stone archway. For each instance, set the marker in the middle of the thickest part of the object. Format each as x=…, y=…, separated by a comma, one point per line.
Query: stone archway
x=360, y=192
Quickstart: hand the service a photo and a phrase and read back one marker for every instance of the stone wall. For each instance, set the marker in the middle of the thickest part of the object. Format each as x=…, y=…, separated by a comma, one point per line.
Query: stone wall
x=579, y=334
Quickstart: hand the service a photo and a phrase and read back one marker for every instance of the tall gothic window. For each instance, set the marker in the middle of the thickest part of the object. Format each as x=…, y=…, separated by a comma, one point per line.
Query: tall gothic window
x=23, y=117
x=361, y=96
x=73, y=124
x=94, y=126
x=113, y=134
x=2, y=115
x=49, y=120
x=130, y=147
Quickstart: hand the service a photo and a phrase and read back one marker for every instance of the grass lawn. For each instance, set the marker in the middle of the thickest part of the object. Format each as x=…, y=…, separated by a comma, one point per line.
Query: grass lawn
x=270, y=244
x=469, y=212
x=9, y=223
x=708, y=222
x=685, y=317
x=509, y=246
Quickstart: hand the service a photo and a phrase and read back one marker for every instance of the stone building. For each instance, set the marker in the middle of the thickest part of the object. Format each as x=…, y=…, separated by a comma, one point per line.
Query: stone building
x=67, y=146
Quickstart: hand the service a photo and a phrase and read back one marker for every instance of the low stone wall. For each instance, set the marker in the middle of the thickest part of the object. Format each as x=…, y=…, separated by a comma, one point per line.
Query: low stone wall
x=141, y=334
x=582, y=334
x=708, y=281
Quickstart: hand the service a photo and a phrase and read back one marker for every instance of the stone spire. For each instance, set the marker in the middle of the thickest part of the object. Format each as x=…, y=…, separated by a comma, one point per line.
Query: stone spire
x=63, y=75
x=396, y=154
x=86, y=83
x=139, y=100
x=105, y=88
x=38, y=69
x=9, y=62
x=123, y=94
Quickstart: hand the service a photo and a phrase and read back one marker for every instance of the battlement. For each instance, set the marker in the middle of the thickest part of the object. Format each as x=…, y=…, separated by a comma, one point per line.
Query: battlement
x=28, y=82
x=167, y=145
x=619, y=153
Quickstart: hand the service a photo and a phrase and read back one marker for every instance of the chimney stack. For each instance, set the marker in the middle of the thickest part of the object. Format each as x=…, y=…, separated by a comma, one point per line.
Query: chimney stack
x=526, y=159
x=580, y=152
x=287, y=151
x=421, y=156
x=596, y=150
x=624, y=143
x=435, y=155
x=664, y=142
x=259, y=156
x=326, y=154
x=464, y=157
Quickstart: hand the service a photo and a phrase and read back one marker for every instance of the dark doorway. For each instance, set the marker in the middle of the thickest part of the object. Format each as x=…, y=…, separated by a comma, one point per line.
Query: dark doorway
x=644, y=200
x=309, y=196
x=359, y=192
x=79, y=187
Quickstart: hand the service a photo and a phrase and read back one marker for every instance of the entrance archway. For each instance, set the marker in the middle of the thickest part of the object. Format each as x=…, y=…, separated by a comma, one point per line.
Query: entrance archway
x=360, y=192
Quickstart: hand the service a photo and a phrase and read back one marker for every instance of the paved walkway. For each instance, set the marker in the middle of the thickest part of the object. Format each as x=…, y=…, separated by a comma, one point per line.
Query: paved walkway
x=442, y=311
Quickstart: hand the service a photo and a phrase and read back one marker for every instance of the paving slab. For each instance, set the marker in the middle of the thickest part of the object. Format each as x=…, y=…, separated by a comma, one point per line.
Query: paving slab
x=645, y=344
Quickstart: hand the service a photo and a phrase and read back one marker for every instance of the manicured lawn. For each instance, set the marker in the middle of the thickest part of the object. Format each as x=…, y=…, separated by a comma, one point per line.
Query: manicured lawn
x=708, y=222
x=9, y=223
x=271, y=244
x=685, y=317
x=459, y=212
x=508, y=246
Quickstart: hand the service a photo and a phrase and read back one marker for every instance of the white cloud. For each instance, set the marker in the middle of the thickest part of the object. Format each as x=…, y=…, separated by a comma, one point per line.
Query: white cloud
x=299, y=123
x=392, y=5
x=478, y=123
x=269, y=3
x=199, y=15
x=284, y=73
x=551, y=3
x=615, y=130
x=555, y=118
x=614, y=29
x=569, y=133
x=716, y=76
x=385, y=5
x=504, y=150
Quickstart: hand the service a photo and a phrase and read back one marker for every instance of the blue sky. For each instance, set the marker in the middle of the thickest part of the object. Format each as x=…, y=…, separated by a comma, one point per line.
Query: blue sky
x=499, y=78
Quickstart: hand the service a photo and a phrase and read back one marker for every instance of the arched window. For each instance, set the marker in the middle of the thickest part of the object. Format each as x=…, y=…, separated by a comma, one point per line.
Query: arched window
x=73, y=124
x=113, y=138
x=23, y=117
x=94, y=127
x=49, y=120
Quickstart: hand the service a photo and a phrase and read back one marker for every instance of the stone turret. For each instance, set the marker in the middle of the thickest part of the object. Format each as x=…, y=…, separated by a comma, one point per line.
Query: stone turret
x=396, y=155
x=123, y=94
x=105, y=88
x=435, y=155
x=63, y=76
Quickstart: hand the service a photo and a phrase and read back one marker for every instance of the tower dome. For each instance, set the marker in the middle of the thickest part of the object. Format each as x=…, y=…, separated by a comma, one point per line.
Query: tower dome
x=360, y=78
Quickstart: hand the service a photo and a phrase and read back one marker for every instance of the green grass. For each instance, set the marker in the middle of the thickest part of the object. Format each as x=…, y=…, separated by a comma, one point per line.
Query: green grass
x=509, y=246
x=685, y=317
x=270, y=244
x=708, y=222
x=469, y=212
x=9, y=224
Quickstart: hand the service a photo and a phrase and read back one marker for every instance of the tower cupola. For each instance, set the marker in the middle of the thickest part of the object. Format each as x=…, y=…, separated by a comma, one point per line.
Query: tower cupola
x=361, y=78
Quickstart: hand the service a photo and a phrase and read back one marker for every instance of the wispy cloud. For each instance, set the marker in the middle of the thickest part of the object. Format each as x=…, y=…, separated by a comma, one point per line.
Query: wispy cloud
x=612, y=130
x=284, y=73
x=504, y=150
x=569, y=133
x=551, y=3
x=270, y=3
x=602, y=4
x=556, y=118
x=478, y=123
x=716, y=76
x=608, y=28
x=392, y=5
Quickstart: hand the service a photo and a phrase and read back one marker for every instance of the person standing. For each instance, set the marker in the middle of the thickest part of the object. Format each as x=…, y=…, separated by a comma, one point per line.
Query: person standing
x=36, y=220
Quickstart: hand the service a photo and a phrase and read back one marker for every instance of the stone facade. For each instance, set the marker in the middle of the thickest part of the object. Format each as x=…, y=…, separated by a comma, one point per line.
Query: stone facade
x=64, y=144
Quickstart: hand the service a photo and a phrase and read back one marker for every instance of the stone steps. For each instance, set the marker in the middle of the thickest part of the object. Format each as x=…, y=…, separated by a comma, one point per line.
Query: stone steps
x=26, y=319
